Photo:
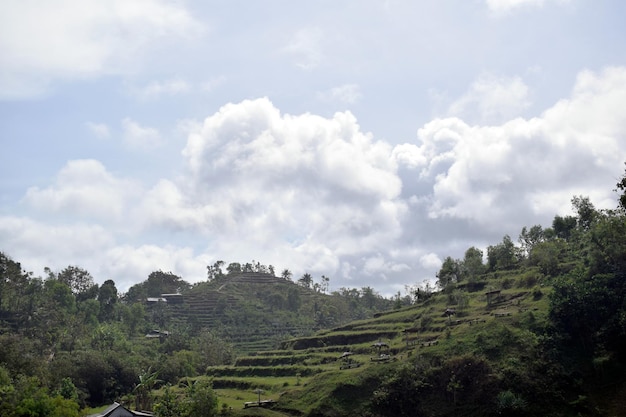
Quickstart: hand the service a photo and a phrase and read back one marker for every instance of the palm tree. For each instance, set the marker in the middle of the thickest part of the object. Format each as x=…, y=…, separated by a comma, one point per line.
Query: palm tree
x=286, y=274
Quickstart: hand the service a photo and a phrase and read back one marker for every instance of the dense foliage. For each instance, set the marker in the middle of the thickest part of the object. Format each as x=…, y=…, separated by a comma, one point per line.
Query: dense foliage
x=68, y=343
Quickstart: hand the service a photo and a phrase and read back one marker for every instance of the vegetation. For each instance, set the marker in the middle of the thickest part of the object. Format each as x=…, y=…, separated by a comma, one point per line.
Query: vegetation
x=533, y=328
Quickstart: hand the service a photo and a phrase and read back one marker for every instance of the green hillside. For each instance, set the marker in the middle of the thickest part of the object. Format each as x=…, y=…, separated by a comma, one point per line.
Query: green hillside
x=493, y=352
x=257, y=311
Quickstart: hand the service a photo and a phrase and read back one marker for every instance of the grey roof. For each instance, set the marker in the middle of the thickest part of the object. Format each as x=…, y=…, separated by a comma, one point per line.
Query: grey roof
x=118, y=410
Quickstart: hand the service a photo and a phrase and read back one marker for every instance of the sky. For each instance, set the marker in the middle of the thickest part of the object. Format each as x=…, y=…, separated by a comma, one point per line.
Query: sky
x=363, y=140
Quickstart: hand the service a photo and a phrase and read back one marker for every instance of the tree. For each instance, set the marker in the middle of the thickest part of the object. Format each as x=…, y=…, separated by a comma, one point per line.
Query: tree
x=68, y=390
x=286, y=274
x=214, y=272
x=107, y=297
x=233, y=268
x=200, y=400
x=369, y=297
x=529, y=238
x=473, y=263
x=325, y=284
x=168, y=405
x=160, y=282
x=133, y=316
x=79, y=280
x=546, y=256
x=585, y=210
x=306, y=280
x=563, y=226
x=503, y=255
x=13, y=284
x=449, y=273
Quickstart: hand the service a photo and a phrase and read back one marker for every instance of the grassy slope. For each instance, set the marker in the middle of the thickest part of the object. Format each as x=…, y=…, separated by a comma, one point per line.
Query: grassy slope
x=500, y=332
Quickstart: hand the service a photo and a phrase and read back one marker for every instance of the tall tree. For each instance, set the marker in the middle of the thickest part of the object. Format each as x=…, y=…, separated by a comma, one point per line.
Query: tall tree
x=78, y=279
x=528, y=238
x=306, y=280
x=214, y=272
x=586, y=211
x=563, y=226
x=449, y=273
x=473, y=262
x=107, y=297
x=160, y=282
x=503, y=255
x=233, y=268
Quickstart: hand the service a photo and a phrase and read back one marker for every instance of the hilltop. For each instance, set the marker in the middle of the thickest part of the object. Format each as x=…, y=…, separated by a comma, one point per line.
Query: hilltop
x=257, y=310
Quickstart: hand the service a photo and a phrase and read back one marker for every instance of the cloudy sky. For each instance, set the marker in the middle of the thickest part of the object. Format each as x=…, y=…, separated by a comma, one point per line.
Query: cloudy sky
x=365, y=140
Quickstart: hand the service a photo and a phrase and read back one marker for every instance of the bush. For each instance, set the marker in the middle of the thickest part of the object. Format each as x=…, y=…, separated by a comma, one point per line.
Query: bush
x=510, y=404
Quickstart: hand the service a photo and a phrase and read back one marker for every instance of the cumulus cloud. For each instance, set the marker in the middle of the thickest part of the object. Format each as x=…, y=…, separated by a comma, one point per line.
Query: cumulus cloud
x=430, y=261
x=38, y=245
x=498, y=175
x=96, y=249
x=84, y=189
x=317, y=194
x=140, y=137
x=139, y=261
x=43, y=41
x=321, y=184
x=492, y=100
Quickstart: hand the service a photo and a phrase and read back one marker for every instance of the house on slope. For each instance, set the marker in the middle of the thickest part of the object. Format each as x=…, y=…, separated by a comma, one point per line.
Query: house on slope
x=118, y=410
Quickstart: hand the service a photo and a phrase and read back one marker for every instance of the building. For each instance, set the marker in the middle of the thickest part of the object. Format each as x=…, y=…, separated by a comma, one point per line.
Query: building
x=118, y=410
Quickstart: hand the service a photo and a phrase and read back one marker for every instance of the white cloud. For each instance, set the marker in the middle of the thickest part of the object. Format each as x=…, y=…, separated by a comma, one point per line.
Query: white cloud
x=135, y=263
x=37, y=245
x=140, y=137
x=497, y=175
x=318, y=194
x=492, y=99
x=86, y=190
x=100, y=130
x=319, y=184
x=42, y=41
x=430, y=261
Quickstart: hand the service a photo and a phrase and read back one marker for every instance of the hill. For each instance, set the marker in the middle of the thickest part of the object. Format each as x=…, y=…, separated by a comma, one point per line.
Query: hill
x=256, y=311
x=488, y=353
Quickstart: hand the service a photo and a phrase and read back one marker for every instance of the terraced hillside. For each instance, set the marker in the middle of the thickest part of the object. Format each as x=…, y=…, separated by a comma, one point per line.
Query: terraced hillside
x=355, y=357
x=257, y=311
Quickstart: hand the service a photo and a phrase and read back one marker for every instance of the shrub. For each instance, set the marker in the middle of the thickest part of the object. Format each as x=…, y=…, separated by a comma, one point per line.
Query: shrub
x=510, y=404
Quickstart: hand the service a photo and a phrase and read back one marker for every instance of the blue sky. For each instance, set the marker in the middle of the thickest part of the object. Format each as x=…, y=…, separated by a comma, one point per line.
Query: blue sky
x=361, y=140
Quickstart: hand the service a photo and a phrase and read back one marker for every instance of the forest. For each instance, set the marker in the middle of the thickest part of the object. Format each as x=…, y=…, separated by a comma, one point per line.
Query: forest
x=69, y=346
